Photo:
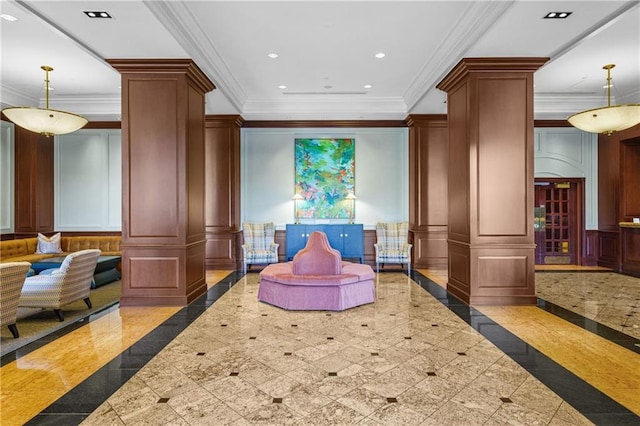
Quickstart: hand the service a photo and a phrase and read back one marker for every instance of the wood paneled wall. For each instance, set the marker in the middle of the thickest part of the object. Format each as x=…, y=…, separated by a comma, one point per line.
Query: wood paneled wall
x=428, y=186
x=222, y=191
x=618, y=196
x=34, y=210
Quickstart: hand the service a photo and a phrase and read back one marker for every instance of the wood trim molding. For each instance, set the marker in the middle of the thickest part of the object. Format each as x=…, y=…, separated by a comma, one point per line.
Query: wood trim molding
x=551, y=123
x=184, y=67
x=103, y=125
x=493, y=65
x=323, y=123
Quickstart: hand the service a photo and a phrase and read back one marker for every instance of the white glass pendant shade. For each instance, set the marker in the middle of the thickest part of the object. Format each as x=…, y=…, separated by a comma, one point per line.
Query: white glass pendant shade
x=609, y=119
x=48, y=122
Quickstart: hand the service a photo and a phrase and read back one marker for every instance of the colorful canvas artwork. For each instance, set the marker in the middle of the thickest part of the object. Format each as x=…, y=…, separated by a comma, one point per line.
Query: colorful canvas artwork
x=325, y=175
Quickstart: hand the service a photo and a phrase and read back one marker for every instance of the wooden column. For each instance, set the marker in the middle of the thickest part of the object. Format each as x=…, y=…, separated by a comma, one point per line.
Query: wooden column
x=222, y=198
x=491, y=242
x=428, y=174
x=163, y=173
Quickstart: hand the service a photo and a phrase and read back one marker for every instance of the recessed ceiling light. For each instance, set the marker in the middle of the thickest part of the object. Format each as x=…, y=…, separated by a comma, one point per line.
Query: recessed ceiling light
x=9, y=18
x=282, y=86
x=367, y=86
x=380, y=55
x=97, y=14
x=272, y=55
x=557, y=15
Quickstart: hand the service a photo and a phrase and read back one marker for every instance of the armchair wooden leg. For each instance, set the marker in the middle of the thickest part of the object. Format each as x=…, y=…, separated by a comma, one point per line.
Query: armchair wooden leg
x=13, y=328
x=59, y=314
x=88, y=302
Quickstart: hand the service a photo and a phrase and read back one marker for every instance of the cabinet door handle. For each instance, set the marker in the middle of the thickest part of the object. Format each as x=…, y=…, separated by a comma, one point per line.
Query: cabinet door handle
x=307, y=235
x=346, y=235
x=302, y=235
x=341, y=235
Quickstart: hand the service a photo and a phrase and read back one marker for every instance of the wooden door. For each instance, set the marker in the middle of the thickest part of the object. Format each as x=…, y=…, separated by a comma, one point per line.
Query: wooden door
x=558, y=222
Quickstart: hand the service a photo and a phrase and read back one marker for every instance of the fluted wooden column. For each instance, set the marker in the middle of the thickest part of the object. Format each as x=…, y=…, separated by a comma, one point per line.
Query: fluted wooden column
x=163, y=238
x=490, y=236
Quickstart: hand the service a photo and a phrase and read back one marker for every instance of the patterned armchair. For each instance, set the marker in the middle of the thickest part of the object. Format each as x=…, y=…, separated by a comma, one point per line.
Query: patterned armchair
x=71, y=282
x=392, y=245
x=259, y=244
x=12, y=276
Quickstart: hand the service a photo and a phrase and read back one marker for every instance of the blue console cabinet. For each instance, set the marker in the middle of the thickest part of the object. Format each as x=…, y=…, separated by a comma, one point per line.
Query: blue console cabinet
x=347, y=239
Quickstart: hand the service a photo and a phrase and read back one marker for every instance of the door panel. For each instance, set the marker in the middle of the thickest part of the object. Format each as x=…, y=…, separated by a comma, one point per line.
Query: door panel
x=556, y=222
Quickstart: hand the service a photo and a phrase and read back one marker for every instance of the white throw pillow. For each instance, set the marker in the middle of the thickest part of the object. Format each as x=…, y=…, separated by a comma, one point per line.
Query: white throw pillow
x=49, y=245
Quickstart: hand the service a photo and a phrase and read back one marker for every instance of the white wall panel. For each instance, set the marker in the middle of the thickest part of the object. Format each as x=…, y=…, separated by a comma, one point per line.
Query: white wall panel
x=87, y=174
x=7, y=162
x=381, y=173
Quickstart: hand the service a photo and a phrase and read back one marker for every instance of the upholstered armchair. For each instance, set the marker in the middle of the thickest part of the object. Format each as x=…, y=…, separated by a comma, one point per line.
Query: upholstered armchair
x=259, y=244
x=59, y=287
x=12, y=276
x=392, y=244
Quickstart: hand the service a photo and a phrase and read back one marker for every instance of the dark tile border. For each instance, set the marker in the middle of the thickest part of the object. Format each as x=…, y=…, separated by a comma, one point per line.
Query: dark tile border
x=590, y=402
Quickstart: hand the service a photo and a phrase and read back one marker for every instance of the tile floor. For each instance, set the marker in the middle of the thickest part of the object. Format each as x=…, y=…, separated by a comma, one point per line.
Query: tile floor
x=416, y=356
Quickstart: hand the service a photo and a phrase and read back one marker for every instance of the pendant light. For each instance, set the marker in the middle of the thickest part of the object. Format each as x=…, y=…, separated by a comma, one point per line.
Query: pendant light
x=47, y=122
x=609, y=119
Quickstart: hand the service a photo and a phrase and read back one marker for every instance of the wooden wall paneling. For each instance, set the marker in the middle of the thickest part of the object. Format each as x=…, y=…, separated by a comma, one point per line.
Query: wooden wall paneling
x=608, y=182
x=222, y=191
x=590, y=248
x=33, y=183
x=163, y=236
x=491, y=180
x=630, y=179
x=630, y=247
x=609, y=249
x=428, y=189
x=613, y=193
x=369, y=250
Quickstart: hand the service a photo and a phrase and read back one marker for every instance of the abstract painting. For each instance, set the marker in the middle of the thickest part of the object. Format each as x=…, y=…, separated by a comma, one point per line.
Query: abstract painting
x=325, y=175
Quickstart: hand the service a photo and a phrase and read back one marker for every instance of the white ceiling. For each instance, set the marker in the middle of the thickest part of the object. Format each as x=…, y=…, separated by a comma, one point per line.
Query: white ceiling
x=326, y=53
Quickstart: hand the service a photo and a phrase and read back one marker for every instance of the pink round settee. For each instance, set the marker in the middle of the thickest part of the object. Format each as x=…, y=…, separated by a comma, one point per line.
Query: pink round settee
x=317, y=279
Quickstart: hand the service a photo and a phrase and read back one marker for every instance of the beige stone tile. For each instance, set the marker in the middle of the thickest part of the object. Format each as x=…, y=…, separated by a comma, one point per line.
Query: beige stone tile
x=332, y=414
x=363, y=401
x=274, y=414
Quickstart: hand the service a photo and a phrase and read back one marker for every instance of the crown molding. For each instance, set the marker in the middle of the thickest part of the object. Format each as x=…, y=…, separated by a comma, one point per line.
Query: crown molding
x=335, y=107
x=477, y=19
x=12, y=97
x=181, y=24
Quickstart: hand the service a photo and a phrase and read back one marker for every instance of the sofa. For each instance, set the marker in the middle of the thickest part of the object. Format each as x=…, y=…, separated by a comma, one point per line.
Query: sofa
x=317, y=279
x=24, y=250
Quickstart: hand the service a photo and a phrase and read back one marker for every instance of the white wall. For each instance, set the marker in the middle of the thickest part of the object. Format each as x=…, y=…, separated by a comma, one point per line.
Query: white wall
x=381, y=173
x=6, y=177
x=88, y=176
x=570, y=153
